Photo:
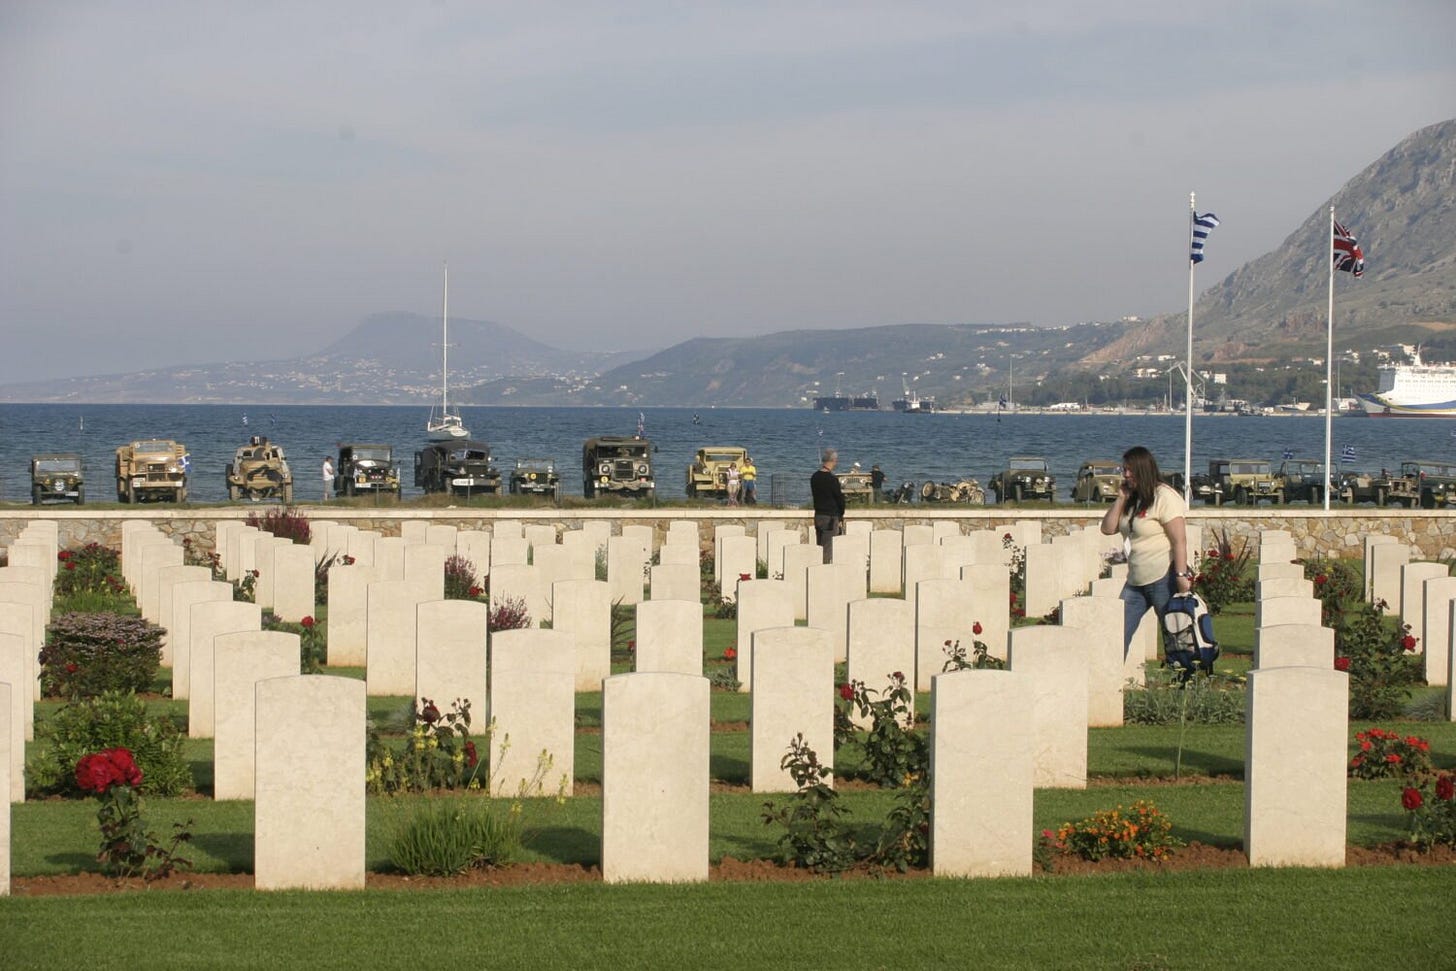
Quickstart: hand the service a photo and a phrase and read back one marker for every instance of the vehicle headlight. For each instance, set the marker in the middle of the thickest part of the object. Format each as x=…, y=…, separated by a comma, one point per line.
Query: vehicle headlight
x=604, y=480
x=531, y=476
x=59, y=486
x=641, y=470
x=605, y=469
x=173, y=468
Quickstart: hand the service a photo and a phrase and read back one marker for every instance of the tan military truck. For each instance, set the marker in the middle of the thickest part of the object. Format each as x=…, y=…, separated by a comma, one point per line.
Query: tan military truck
x=708, y=475
x=1246, y=481
x=259, y=471
x=152, y=470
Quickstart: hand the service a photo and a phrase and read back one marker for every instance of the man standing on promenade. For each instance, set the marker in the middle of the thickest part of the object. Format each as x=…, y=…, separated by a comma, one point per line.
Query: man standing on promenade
x=828, y=503
x=328, y=471
x=749, y=475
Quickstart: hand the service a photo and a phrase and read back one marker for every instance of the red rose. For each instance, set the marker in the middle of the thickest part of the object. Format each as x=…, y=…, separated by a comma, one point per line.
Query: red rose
x=429, y=714
x=471, y=758
x=1408, y=642
x=1005, y=536
x=744, y=576
x=846, y=691
x=348, y=560
x=308, y=621
x=71, y=667
x=126, y=766
x=1320, y=579
x=95, y=773
x=729, y=653
x=1445, y=788
x=63, y=555
x=631, y=645
x=475, y=591
x=898, y=676
x=1365, y=745
x=1342, y=664
x=1392, y=758
x=70, y=566
x=1357, y=761
x=1411, y=799
x=976, y=628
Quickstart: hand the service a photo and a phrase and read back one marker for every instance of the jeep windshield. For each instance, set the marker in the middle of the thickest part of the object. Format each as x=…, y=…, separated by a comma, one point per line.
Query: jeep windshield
x=1028, y=465
x=470, y=455
x=1430, y=470
x=622, y=451
x=372, y=455
x=1104, y=470
x=58, y=465
x=152, y=447
x=721, y=457
x=535, y=465
x=1248, y=468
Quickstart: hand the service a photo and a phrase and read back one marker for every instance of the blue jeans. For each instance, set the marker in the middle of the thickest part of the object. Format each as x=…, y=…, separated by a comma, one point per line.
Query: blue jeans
x=1135, y=604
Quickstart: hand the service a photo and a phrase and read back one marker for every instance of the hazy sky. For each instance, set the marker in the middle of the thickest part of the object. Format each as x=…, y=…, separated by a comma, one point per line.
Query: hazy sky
x=197, y=181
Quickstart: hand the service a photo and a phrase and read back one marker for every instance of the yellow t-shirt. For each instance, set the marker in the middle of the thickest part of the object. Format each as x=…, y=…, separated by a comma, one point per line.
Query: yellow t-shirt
x=1151, y=551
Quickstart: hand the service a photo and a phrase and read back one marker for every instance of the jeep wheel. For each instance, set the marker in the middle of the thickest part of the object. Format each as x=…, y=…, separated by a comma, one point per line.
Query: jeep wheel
x=349, y=488
x=1428, y=500
x=1016, y=492
x=587, y=490
x=1382, y=497
x=1241, y=496
x=35, y=494
x=234, y=493
x=180, y=495
x=1316, y=496
x=80, y=495
x=131, y=495
x=288, y=494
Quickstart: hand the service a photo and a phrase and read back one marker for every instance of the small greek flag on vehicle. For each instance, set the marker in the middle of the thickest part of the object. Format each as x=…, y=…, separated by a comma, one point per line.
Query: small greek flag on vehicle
x=186, y=462
x=1288, y=454
x=1348, y=453
x=1202, y=226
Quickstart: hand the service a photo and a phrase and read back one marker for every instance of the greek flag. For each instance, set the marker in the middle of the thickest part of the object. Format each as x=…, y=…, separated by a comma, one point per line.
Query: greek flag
x=641, y=423
x=186, y=462
x=1202, y=226
x=1002, y=402
x=245, y=419
x=1348, y=453
x=1288, y=454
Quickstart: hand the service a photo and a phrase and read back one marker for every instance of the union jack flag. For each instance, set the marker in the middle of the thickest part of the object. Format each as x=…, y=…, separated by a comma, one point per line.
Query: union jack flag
x=1347, y=253
x=1202, y=226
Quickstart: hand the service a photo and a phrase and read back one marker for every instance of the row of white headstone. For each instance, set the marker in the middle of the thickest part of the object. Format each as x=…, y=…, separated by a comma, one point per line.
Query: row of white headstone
x=27, y=584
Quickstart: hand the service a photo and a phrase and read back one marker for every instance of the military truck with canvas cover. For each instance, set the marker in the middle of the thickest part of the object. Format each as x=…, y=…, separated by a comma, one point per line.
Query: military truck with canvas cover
x=365, y=468
x=617, y=465
x=459, y=468
x=152, y=470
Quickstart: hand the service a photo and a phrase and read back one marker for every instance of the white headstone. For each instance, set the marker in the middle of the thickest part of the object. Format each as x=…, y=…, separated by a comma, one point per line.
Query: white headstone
x=1436, y=610
x=1266, y=589
x=777, y=541
x=916, y=534
x=944, y=611
x=444, y=536
x=762, y=604
x=676, y=581
x=14, y=685
x=739, y=558
x=532, y=706
x=1099, y=621
x=832, y=586
x=1043, y=578
x=1286, y=610
x=348, y=627
x=474, y=546
x=425, y=564
x=7, y=782
x=184, y=595
x=655, y=778
x=293, y=570
x=508, y=529
x=1295, y=806
x=239, y=662
x=450, y=656
x=1372, y=540
x=925, y=561
x=584, y=613
x=981, y=774
x=518, y=582
x=1294, y=646
x=538, y=535
x=1386, y=559
x=167, y=579
x=361, y=547
x=389, y=557
x=670, y=636
x=1280, y=571
x=392, y=637
x=308, y=830
x=886, y=552
x=797, y=561
x=1053, y=663
x=626, y=565
x=990, y=586
x=881, y=643
x=793, y=694
x=209, y=620
x=1413, y=577
x=414, y=530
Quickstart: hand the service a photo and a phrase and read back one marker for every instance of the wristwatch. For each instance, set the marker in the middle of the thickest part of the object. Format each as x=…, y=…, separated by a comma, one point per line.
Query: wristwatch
x=1188, y=574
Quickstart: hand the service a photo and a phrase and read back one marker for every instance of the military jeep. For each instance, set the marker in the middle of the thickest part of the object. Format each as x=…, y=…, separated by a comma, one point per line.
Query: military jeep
x=617, y=464
x=366, y=468
x=1301, y=479
x=259, y=471
x=964, y=491
x=57, y=477
x=1025, y=477
x=461, y=468
x=1098, y=481
x=152, y=470
x=1361, y=487
x=1245, y=481
x=708, y=475
x=858, y=487
x=536, y=477
x=1428, y=484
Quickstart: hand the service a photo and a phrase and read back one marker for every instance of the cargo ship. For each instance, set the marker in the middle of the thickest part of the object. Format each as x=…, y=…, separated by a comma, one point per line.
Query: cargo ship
x=1414, y=390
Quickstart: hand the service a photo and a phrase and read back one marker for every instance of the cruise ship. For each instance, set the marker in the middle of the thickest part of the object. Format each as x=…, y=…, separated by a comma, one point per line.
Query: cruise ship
x=1414, y=390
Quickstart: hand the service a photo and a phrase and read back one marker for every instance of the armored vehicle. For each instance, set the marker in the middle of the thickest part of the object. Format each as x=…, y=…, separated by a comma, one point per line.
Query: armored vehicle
x=152, y=470
x=1361, y=487
x=858, y=487
x=617, y=464
x=1025, y=477
x=1204, y=486
x=708, y=475
x=259, y=471
x=1245, y=481
x=366, y=468
x=536, y=477
x=57, y=477
x=965, y=491
x=1301, y=479
x=1097, y=481
x=1429, y=484
x=458, y=467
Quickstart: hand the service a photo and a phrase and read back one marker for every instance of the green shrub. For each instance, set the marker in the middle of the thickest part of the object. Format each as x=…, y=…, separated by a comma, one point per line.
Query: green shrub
x=92, y=568
x=449, y=836
x=87, y=654
x=287, y=523
x=1223, y=575
x=112, y=720
x=1214, y=700
x=1379, y=655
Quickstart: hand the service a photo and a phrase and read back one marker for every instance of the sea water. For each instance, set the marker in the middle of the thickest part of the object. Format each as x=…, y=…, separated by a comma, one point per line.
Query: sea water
x=783, y=442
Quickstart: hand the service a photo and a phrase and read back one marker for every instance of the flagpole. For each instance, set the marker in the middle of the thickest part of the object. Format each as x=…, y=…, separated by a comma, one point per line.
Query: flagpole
x=1188, y=370
x=1329, y=357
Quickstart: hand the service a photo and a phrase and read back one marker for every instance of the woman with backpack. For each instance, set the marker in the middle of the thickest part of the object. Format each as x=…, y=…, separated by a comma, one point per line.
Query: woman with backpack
x=1151, y=516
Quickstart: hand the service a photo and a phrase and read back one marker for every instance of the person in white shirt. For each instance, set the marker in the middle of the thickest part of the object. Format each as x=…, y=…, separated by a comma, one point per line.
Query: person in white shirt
x=1151, y=515
x=328, y=477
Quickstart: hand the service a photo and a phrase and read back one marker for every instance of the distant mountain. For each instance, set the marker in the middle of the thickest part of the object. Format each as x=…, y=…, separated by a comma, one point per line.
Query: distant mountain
x=956, y=363
x=1402, y=208
x=386, y=359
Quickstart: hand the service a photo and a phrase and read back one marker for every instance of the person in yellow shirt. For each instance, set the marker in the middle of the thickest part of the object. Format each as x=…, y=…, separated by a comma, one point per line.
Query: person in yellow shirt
x=1150, y=515
x=748, y=479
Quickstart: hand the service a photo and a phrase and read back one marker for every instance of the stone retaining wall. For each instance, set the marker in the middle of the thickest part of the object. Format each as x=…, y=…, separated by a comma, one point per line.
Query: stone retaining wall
x=1433, y=532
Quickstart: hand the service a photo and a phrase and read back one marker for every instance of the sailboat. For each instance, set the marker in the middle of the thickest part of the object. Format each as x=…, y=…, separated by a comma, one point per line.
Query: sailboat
x=445, y=425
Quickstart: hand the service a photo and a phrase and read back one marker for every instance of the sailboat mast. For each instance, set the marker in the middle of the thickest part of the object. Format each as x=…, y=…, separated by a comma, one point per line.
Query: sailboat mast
x=445, y=347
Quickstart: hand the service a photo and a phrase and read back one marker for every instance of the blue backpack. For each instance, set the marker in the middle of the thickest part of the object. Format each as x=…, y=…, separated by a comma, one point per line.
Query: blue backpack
x=1189, y=643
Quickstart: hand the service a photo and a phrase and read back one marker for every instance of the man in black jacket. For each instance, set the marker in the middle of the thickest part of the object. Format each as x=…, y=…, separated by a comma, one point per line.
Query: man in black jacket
x=828, y=503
